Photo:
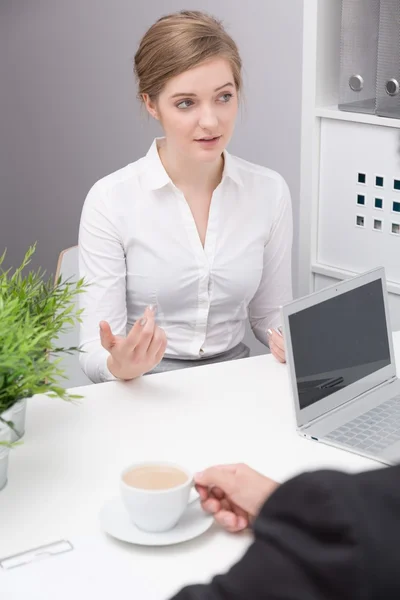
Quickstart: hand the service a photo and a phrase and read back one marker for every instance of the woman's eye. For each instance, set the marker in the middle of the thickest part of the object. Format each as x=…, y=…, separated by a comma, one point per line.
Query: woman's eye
x=184, y=104
x=226, y=97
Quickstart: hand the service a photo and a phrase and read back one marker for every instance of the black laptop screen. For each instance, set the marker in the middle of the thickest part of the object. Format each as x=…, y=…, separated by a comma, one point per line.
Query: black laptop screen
x=339, y=341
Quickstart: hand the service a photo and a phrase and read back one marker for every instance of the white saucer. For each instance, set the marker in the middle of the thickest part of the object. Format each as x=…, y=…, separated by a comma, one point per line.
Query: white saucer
x=115, y=521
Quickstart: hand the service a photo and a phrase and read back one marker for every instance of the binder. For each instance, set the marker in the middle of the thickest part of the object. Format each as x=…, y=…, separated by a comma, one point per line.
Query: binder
x=359, y=55
x=388, y=80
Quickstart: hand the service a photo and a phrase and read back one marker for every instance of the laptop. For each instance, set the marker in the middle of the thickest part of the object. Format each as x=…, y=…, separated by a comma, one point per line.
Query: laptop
x=339, y=351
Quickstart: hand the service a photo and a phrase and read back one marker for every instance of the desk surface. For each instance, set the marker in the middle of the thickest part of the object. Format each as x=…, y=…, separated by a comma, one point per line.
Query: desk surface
x=72, y=455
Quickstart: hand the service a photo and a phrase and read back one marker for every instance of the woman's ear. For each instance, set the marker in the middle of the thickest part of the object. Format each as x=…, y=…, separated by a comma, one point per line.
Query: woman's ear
x=150, y=106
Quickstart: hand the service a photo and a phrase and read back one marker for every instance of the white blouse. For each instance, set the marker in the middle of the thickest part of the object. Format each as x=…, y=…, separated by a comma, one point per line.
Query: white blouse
x=139, y=245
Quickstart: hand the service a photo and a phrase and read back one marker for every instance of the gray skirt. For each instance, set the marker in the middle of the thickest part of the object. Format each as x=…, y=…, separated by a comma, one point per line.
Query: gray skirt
x=172, y=364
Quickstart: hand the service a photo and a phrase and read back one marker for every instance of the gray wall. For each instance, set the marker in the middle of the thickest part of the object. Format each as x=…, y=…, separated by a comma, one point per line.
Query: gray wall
x=68, y=113
x=7, y=204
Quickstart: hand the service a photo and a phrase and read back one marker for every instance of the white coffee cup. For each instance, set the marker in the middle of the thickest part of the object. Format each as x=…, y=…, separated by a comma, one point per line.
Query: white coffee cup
x=159, y=509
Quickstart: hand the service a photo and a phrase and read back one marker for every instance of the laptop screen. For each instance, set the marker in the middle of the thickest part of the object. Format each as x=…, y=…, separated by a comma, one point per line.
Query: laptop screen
x=339, y=341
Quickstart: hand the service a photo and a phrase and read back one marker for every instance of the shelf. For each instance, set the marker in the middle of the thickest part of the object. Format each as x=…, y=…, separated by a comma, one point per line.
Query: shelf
x=332, y=112
x=335, y=273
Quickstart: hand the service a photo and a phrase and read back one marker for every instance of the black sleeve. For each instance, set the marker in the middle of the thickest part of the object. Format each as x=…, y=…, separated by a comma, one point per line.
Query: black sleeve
x=321, y=536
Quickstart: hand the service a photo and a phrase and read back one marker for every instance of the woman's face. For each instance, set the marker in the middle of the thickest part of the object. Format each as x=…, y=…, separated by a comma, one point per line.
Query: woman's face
x=197, y=110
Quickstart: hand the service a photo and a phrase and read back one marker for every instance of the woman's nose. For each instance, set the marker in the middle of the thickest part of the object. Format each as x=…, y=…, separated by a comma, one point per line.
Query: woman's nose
x=208, y=119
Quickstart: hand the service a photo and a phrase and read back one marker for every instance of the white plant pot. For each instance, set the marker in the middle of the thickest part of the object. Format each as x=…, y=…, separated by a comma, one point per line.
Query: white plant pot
x=16, y=415
x=5, y=436
x=18, y=419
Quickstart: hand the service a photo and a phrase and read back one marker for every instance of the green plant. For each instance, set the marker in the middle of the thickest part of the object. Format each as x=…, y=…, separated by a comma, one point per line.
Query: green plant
x=33, y=313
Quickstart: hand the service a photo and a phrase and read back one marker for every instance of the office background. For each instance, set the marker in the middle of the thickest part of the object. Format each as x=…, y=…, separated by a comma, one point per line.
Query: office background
x=69, y=114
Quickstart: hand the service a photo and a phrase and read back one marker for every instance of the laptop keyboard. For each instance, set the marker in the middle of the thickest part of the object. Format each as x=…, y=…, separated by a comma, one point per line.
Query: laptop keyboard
x=374, y=431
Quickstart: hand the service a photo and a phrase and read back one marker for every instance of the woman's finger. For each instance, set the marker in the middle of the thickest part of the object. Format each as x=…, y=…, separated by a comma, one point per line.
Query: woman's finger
x=275, y=337
x=211, y=505
x=202, y=491
x=230, y=521
x=240, y=512
x=217, y=493
x=278, y=341
x=106, y=336
x=157, y=343
x=226, y=505
x=277, y=352
x=133, y=337
x=146, y=335
x=159, y=355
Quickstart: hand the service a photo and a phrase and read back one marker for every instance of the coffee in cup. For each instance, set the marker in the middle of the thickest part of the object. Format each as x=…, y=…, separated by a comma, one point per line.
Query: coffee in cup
x=155, y=477
x=155, y=494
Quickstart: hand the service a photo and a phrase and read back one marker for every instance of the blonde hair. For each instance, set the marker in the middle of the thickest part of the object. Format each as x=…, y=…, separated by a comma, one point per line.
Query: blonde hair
x=178, y=42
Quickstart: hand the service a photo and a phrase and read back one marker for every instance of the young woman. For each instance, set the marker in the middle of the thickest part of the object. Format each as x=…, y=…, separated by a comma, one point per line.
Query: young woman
x=183, y=245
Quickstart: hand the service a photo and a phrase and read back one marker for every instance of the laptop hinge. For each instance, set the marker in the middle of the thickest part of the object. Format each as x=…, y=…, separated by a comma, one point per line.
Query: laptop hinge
x=349, y=402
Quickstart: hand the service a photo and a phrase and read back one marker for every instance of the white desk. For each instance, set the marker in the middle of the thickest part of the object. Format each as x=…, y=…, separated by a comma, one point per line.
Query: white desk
x=71, y=458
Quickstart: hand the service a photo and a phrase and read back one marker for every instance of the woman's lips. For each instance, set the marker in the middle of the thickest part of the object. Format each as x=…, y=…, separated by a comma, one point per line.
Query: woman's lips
x=209, y=142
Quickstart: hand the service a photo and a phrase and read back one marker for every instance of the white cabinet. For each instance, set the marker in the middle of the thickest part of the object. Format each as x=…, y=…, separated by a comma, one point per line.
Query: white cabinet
x=350, y=172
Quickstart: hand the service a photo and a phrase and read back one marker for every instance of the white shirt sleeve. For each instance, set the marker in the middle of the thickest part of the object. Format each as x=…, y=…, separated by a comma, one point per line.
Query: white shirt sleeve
x=275, y=287
x=102, y=264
